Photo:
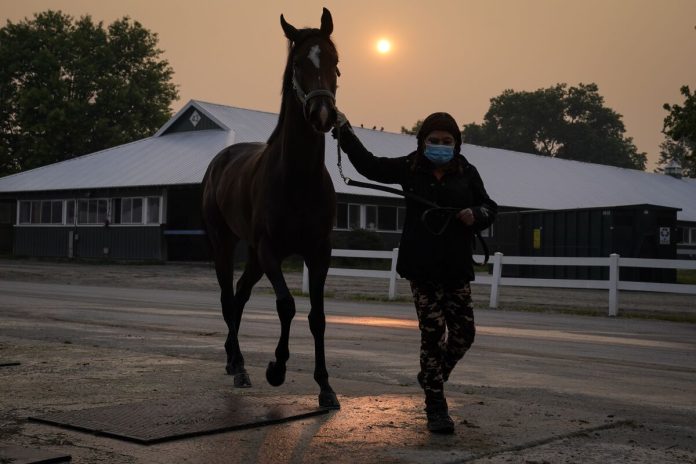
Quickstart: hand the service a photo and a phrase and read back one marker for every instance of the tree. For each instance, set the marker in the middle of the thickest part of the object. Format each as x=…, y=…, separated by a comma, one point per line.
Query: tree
x=70, y=87
x=680, y=128
x=678, y=151
x=414, y=130
x=560, y=121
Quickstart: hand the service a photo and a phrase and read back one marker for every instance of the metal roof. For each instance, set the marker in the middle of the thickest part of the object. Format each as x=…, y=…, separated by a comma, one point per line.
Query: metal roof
x=512, y=179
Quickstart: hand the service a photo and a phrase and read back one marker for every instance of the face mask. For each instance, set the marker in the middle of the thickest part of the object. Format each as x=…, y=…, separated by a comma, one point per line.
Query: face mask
x=439, y=154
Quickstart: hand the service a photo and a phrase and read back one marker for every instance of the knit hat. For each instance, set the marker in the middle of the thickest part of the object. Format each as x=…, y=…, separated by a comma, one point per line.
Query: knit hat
x=439, y=121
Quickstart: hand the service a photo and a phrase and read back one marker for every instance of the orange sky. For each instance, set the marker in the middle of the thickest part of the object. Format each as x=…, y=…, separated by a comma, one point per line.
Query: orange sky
x=448, y=55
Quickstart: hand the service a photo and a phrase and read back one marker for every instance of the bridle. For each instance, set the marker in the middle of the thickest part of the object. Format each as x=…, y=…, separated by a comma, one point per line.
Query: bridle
x=305, y=97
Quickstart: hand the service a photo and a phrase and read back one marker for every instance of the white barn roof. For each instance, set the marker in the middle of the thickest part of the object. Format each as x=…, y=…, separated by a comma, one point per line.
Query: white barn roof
x=511, y=178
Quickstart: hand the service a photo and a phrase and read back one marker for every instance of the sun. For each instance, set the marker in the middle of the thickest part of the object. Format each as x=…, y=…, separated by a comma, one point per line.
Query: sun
x=383, y=46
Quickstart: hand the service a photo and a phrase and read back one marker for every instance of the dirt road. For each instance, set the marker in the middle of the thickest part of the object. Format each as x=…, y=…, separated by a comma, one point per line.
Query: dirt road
x=535, y=388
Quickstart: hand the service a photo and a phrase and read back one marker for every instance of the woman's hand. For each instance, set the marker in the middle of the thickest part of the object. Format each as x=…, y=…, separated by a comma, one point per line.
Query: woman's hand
x=341, y=120
x=466, y=216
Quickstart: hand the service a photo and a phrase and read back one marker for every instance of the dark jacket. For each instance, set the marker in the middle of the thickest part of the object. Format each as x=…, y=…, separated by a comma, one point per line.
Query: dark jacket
x=424, y=256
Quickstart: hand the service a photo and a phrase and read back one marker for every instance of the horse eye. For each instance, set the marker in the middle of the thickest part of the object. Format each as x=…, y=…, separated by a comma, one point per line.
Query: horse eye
x=338, y=72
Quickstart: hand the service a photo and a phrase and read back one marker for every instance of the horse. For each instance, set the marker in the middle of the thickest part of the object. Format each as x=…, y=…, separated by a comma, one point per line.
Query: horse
x=279, y=198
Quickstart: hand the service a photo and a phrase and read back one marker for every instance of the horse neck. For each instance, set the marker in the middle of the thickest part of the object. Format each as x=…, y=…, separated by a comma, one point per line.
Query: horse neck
x=301, y=147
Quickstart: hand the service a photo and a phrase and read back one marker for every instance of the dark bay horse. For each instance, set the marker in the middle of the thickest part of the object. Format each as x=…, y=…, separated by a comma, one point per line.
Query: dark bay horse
x=278, y=198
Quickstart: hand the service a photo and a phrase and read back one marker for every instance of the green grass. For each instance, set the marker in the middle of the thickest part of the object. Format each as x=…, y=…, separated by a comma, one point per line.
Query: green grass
x=686, y=276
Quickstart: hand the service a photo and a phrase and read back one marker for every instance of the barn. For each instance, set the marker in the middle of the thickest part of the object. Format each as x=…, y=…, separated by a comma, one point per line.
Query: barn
x=140, y=201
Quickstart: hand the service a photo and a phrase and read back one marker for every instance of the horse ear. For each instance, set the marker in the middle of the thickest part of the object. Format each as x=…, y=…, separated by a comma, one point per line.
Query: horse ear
x=326, y=22
x=289, y=29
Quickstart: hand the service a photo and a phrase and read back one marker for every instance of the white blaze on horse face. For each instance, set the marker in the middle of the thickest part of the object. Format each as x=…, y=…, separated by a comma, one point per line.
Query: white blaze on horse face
x=314, y=55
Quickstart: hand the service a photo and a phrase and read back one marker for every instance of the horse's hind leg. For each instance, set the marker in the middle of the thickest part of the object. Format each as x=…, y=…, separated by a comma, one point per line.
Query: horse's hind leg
x=224, y=251
x=285, y=305
x=318, y=267
x=252, y=274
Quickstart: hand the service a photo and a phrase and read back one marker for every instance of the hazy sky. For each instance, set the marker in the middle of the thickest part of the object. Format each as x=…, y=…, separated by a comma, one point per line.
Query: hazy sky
x=447, y=55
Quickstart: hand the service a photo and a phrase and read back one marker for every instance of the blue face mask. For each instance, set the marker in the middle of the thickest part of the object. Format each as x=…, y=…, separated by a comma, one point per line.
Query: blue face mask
x=439, y=154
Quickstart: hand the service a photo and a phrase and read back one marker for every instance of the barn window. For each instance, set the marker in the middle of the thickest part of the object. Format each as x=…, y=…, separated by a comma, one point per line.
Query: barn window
x=45, y=212
x=41, y=212
x=347, y=216
x=341, y=216
x=354, y=217
x=386, y=218
x=689, y=236
x=36, y=212
x=131, y=211
x=70, y=212
x=56, y=212
x=370, y=217
x=136, y=210
x=93, y=211
x=153, y=210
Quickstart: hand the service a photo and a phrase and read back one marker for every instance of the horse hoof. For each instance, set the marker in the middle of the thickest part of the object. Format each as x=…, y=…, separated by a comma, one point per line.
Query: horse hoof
x=328, y=400
x=242, y=380
x=275, y=374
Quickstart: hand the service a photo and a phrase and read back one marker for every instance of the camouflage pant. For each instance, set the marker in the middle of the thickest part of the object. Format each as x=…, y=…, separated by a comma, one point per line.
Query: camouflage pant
x=446, y=322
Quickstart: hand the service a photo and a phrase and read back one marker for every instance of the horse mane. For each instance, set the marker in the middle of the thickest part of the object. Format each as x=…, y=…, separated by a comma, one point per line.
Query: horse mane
x=287, y=88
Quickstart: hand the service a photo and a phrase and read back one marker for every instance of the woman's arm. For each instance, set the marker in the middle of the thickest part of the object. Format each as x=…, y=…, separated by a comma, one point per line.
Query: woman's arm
x=482, y=215
x=380, y=169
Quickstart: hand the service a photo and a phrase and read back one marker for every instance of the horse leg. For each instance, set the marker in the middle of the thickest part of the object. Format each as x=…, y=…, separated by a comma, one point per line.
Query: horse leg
x=318, y=267
x=251, y=275
x=232, y=312
x=285, y=306
x=224, y=271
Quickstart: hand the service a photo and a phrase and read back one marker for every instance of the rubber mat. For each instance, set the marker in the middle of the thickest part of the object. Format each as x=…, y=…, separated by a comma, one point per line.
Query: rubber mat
x=20, y=455
x=164, y=420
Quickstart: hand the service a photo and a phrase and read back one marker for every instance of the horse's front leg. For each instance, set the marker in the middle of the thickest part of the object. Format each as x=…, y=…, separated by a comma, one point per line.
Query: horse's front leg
x=318, y=267
x=224, y=250
x=285, y=306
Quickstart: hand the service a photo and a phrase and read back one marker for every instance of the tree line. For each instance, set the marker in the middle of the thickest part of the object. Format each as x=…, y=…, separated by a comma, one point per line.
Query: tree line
x=70, y=86
x=573, y=123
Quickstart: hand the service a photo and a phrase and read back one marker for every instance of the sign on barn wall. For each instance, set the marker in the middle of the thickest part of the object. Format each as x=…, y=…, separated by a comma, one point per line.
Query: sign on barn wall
x=664, y=235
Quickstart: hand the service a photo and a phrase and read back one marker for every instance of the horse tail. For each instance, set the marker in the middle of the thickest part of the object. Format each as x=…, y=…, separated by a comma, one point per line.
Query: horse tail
x=204, y=221
x=211, y=216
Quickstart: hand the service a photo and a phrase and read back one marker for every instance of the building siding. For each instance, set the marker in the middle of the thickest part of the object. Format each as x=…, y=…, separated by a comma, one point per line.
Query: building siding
x=127, y=243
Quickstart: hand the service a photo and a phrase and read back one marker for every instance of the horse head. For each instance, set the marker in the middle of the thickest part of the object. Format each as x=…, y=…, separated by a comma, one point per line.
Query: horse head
x=312, y=71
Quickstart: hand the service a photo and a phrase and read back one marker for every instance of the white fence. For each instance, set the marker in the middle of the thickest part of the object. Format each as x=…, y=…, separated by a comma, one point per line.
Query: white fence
x=614, y=262
x=391, y=274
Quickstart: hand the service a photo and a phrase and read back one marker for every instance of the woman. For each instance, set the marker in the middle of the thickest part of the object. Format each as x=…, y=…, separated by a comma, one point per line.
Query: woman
x=438, y=265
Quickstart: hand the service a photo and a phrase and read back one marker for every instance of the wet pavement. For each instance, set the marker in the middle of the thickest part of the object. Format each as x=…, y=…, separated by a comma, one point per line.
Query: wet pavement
x=536, y=387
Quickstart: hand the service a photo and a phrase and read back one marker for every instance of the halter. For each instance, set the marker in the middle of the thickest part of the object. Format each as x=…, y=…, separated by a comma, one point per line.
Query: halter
x=305, y=97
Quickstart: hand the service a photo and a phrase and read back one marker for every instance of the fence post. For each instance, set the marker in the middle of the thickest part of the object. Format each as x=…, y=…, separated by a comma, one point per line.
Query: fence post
x=495, y=278
x=613, y=285
x=71, y=243
x=305, y=279
x=392, y=276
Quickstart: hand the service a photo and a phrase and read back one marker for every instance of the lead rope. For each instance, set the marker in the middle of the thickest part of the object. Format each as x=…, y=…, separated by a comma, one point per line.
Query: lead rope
x=338, y=151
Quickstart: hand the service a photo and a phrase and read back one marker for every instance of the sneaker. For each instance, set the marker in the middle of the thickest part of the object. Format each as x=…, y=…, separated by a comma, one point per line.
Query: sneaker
x=440, y=422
